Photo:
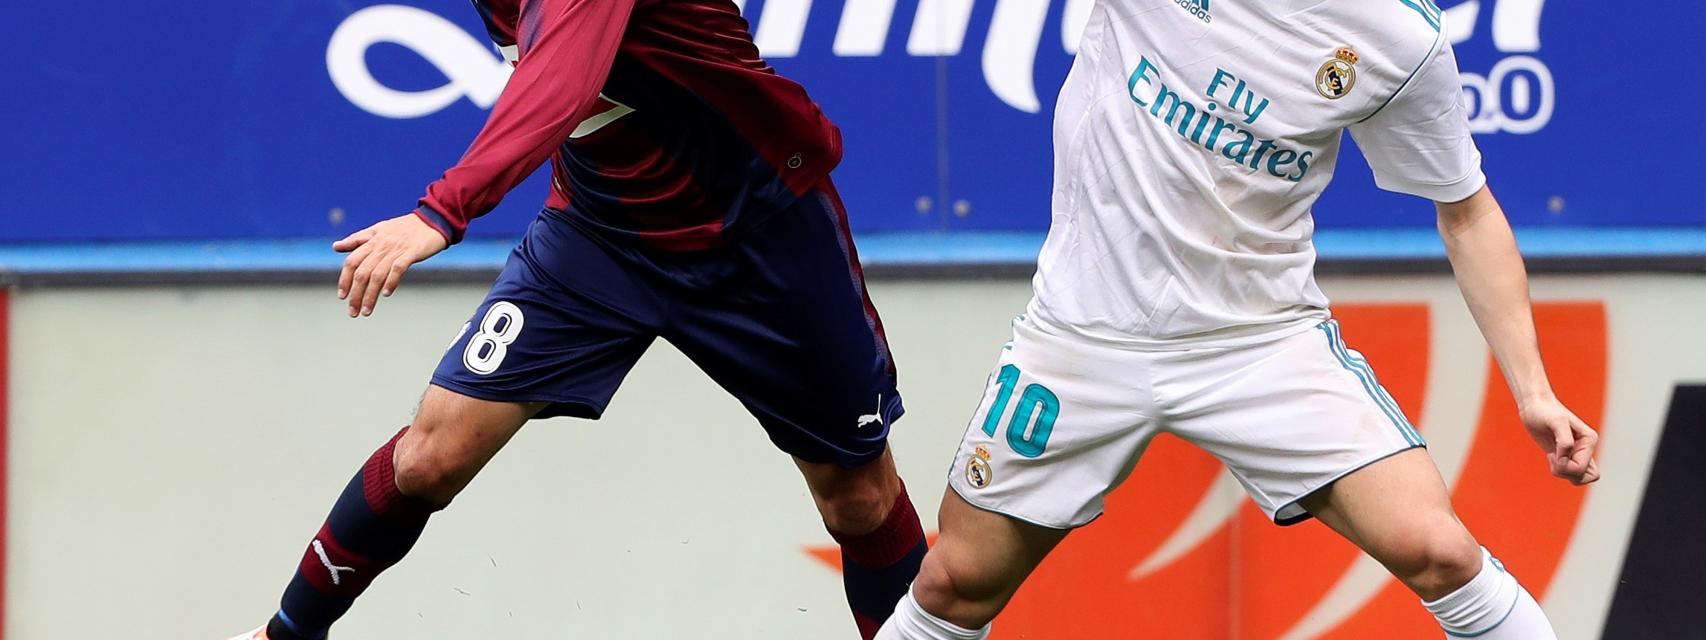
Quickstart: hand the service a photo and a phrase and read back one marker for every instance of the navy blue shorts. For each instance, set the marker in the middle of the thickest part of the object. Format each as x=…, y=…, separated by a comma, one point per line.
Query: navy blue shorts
x=779, y=318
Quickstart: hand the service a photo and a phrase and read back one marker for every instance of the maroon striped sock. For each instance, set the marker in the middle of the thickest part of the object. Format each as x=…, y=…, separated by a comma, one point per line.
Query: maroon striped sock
x=371, y=527
x=878, y=567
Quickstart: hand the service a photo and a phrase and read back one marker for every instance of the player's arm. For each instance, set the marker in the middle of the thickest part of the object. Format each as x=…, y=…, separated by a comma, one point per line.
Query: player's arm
x=1494, y=282
x=567, y=47
x=1419, y=143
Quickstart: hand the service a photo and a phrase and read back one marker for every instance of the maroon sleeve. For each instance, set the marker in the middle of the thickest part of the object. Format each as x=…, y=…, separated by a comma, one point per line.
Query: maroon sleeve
x=567, y=47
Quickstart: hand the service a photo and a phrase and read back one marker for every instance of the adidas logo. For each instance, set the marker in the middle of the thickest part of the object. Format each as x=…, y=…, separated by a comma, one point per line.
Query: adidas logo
x=1198, y=8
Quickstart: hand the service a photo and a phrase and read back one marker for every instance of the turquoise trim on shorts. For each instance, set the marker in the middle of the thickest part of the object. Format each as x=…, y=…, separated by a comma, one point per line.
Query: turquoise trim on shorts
x=1359, y=367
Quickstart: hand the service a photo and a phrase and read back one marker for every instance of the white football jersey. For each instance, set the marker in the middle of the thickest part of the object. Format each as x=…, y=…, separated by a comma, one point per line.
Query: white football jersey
x=1192, y=137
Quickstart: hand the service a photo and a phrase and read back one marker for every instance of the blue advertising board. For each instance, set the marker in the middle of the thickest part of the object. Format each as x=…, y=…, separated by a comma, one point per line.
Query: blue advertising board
x=138, y=121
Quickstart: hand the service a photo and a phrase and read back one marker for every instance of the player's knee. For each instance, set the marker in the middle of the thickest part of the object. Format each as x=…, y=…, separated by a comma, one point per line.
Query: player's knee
x=1437, y=562
x=957, y=594
x=426, y=468
x=857, y=508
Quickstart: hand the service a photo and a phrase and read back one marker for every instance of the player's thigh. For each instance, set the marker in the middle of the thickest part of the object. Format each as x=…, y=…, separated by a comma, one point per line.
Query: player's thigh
x=979, y=561
x=1398, y=510
x=1287, y=417
x=787, y=328
x=562, y=325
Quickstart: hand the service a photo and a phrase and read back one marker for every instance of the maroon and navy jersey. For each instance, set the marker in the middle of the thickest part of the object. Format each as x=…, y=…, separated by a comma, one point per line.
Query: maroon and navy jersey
x=661, y=121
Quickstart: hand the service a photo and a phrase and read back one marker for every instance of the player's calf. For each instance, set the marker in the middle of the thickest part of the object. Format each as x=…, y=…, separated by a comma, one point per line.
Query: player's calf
x=970, y=575
x=1468, y=591
x=964, y=595
x=1491, y=606
x=371, y=527
x=860, y=512
x=853, y=502
x=867, y=511
x=1399, y=511
x=384, y=508
x=959, y=591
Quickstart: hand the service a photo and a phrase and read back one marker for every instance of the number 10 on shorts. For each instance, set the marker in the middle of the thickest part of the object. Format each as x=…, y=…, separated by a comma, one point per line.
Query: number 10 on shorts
x=1036, y=402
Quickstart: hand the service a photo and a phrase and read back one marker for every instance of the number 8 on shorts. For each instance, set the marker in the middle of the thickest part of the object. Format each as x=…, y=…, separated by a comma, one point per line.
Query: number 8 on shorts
x=498, y=329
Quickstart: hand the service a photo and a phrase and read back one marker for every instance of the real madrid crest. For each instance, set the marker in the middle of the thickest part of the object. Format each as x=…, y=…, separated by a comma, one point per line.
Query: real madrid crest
x=1338, y=75
x=978, y=472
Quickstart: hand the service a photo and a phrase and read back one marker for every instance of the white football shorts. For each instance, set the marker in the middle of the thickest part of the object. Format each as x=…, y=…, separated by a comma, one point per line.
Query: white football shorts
x=1064, y=420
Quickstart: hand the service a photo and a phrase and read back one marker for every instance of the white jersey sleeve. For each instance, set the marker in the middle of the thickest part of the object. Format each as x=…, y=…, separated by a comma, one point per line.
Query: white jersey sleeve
x=1419, y=142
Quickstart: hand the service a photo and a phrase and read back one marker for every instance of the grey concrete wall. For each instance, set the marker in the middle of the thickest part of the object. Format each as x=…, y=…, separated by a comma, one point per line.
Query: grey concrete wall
x=173, y=448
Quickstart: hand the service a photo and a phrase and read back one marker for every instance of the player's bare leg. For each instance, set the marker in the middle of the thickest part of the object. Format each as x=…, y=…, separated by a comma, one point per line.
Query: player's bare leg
x=856, y=500
x=385, y=507
x=867, y=511
x=452, y=438
x=970, y=574
x=1399, y=512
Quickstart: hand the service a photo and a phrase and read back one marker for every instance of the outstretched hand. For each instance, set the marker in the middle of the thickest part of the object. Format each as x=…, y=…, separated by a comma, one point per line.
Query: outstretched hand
x=1570, y=444
x=379, y=256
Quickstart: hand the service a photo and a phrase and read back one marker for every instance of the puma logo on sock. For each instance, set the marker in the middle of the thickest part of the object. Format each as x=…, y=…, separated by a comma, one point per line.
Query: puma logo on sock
x=320, y=550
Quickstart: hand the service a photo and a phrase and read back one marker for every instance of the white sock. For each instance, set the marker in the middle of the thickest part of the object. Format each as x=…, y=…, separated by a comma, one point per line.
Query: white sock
x=1491, y=607
x=912, y=622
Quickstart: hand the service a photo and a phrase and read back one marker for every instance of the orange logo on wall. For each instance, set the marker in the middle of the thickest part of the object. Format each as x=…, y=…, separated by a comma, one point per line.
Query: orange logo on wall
x=1252, y=580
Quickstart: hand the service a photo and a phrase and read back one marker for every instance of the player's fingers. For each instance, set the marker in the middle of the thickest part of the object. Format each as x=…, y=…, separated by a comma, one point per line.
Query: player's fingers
x=376, y=283
x=1592, y=474
x=1587, y=476
x=1555, y=463
x=1586, y=444
x=1562, y=440
x=1582, y=431
x=351, y=241
x=346, y=276
x=1560, y=456
x=394, y=276
x=359, y=280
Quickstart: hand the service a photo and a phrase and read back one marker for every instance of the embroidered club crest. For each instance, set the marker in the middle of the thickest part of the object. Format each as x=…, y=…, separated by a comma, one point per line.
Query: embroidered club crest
x=1337, y=76
x=978, y=472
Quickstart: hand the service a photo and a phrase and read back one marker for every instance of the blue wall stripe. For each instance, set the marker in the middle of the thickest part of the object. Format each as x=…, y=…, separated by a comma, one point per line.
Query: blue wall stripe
x=874, y=249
